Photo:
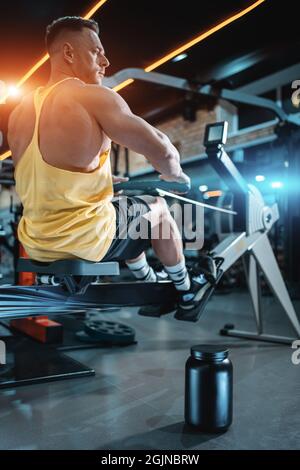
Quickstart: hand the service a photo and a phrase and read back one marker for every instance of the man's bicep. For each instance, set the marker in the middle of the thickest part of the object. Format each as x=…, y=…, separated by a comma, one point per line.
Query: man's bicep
x=131, y=132
x=125, y=128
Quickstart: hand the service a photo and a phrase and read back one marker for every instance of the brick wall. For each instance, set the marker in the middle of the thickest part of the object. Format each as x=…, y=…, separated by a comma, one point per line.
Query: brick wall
x=185, y=135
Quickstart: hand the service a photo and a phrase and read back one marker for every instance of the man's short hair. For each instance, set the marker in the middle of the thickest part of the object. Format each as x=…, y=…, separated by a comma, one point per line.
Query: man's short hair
x=68, y=23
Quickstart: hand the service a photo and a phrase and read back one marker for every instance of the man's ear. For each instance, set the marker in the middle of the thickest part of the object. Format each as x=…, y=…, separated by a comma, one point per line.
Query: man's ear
x=68, y=52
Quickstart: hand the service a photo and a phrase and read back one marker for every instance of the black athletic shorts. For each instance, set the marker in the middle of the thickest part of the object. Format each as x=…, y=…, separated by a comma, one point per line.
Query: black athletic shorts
x=126, y=245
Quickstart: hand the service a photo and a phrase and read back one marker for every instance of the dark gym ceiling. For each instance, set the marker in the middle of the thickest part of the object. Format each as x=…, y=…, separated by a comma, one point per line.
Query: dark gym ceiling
x=135, y=33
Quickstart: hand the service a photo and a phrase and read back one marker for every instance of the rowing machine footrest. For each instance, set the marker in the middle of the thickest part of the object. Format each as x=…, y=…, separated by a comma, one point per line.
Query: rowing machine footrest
x=194, y=316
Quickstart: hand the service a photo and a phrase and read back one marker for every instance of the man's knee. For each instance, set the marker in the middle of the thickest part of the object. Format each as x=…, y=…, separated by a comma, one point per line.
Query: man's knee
x=160, y=206
x=162, y=202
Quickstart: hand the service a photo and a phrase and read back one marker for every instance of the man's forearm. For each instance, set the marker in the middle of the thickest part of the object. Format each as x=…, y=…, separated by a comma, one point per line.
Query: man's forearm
x=169, y=164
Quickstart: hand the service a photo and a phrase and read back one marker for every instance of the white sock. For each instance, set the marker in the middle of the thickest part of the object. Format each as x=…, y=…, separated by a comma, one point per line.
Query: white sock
x=179, y=275
x=141, y=270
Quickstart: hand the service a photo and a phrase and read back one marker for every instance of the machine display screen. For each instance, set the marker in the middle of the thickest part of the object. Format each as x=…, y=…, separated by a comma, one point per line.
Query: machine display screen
x=215, y=133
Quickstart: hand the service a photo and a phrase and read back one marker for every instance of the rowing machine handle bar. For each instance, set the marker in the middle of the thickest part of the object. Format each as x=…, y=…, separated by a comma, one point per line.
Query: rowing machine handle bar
x=151, y=185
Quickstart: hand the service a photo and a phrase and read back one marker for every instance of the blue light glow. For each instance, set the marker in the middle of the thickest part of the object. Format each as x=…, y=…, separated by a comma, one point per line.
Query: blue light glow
x=260, y=178
x=277, y=185
x=179, y=57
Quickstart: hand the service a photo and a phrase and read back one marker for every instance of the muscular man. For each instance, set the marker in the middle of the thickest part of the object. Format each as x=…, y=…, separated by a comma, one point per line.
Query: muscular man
x=60, y=137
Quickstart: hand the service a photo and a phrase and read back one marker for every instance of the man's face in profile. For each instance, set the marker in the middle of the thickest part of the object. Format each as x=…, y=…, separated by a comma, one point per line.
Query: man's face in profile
x=89, y=57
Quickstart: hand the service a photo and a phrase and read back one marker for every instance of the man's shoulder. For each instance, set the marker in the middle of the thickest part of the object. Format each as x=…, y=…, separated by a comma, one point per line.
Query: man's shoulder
x=27, y=99
x=25, y=105
x=96, y=90
x=96, y=97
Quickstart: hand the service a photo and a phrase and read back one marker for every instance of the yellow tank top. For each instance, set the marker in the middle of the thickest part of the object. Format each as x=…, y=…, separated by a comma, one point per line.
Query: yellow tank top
x=66, y=214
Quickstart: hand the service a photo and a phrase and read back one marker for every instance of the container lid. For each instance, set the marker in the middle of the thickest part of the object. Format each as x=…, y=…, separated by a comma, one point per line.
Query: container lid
x=209, y=352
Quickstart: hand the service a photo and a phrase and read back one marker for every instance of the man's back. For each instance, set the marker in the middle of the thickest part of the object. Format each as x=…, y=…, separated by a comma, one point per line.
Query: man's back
x=69, y=136
x=67, y=210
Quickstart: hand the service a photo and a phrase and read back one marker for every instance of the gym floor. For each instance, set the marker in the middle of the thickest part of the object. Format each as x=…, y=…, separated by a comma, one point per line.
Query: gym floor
x=136, y=399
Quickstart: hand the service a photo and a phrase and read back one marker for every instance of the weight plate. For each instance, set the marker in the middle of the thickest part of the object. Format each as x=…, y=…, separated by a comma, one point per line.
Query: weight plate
x=85, y=338
x=110, y=332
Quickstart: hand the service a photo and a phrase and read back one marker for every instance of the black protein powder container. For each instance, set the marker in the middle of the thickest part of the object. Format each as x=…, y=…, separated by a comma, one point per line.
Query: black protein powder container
x=208, y=389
